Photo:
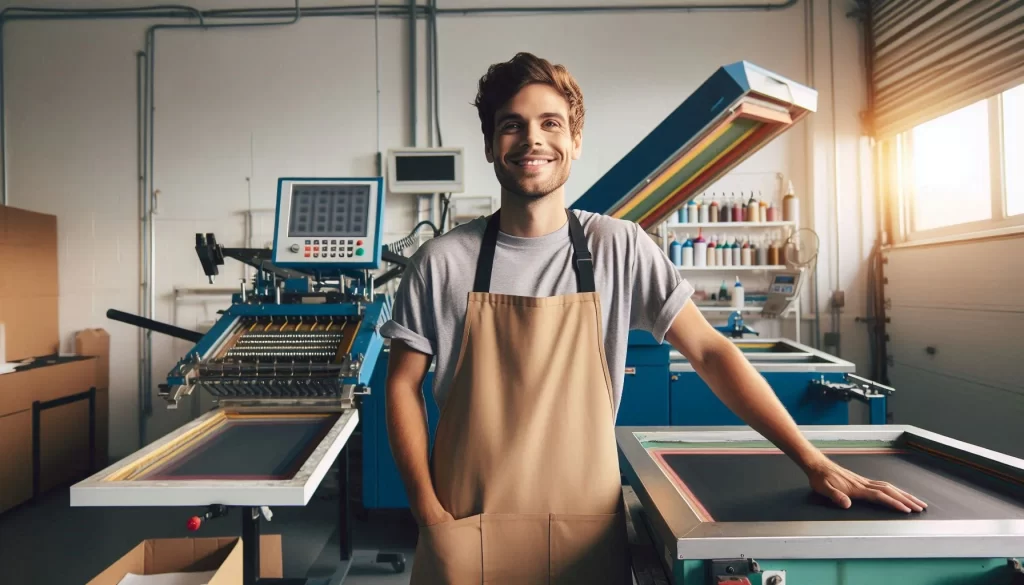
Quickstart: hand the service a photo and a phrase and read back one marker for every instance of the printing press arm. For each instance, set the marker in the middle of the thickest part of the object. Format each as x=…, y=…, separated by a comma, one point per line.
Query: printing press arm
x=166, y=329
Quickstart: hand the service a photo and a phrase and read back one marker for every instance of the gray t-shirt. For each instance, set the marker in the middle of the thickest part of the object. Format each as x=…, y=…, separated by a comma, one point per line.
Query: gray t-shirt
x=639, y=287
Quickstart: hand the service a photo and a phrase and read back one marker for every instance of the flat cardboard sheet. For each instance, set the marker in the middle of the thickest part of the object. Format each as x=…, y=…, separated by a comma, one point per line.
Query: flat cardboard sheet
x=198, y=578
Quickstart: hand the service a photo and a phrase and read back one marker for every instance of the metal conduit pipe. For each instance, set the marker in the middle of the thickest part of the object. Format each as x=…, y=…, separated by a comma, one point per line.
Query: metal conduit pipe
x=140, y=92
x=413, y=22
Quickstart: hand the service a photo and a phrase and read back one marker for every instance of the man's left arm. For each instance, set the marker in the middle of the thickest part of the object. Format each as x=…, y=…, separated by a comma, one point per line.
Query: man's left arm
x=741, y=388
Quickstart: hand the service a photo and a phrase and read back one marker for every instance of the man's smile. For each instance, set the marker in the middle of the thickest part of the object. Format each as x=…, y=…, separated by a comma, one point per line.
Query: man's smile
x=533, y=163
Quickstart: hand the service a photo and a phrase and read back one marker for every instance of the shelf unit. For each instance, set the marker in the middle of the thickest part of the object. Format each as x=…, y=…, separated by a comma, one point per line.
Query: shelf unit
x=731, y=225
x=723, y=268
x=757, y=227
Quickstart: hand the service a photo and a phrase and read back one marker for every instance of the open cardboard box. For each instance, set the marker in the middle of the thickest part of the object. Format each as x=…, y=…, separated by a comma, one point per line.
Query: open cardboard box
x=183, y=555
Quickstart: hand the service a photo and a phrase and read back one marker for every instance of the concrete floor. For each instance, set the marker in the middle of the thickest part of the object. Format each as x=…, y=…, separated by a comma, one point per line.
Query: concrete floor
x=51, y=543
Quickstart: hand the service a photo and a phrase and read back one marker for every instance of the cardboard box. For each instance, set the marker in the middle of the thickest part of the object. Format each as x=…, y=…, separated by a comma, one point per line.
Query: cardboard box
x=180, y=555
x=96, y=343
x=28, y=283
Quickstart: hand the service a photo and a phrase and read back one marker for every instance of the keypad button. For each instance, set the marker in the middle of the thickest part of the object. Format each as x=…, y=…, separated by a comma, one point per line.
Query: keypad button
x=359, y=252
x=308, y=242
x=359, y=242
x=307, y=254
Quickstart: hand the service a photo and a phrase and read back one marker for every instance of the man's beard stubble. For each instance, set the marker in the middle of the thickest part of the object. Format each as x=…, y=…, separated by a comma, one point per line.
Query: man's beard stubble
x=511, y=184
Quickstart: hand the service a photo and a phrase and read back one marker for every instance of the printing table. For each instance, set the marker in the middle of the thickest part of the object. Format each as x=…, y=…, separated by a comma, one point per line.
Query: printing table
x=249, y=457
x=722, y=504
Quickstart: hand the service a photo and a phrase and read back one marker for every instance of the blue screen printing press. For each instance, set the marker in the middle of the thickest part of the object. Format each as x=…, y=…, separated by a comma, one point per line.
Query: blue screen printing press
x=295, y=365
x=286, y=363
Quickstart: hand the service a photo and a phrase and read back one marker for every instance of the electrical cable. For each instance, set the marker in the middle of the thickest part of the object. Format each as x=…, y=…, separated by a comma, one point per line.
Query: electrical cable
x=409, y=240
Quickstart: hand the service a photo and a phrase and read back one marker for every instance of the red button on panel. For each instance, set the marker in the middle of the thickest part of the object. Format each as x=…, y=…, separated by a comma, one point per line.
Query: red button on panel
x=307, y=254
x=359, y=243
x=309, y=248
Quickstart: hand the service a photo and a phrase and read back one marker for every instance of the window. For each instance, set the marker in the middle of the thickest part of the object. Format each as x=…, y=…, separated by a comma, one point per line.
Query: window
x=1013, y=149
x=963, y=172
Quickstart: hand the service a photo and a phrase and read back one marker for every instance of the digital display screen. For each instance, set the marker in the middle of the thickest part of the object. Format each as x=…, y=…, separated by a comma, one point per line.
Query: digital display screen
x=329, y=210
x=785, y=279
x=435, y=167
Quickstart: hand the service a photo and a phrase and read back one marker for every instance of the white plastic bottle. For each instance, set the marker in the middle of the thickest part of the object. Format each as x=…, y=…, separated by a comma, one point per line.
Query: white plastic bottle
x=737, y=295
x=700, y=250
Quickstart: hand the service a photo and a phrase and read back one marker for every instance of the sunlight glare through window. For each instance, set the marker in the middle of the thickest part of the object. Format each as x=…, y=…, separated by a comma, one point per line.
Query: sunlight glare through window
x=1013, y=149
x=951, y=175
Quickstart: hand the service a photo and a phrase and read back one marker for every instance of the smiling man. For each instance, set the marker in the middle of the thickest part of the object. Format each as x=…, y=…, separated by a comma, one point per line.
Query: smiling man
x=527, y=314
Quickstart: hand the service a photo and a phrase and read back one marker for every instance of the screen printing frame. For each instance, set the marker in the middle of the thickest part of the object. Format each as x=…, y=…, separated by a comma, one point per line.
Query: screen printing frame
x=787, y=361
x=100, y=490
x=677, y=522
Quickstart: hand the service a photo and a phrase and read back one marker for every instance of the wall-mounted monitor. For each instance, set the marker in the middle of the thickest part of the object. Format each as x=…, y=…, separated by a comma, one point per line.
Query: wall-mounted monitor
x=425, y=170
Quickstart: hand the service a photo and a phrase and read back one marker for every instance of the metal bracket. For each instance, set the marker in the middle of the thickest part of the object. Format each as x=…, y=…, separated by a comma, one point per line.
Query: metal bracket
x=742, y=572
x=855, y=387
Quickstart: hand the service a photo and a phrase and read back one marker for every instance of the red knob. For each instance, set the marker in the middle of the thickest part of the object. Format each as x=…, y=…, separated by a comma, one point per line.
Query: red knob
x=194, y=523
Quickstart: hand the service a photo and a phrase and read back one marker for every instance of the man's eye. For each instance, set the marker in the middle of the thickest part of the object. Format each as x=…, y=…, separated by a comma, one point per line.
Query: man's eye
x=552, y=123
x=511, y=126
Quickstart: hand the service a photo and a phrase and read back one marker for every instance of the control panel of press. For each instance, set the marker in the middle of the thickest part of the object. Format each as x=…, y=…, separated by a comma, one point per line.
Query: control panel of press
x=329, y=223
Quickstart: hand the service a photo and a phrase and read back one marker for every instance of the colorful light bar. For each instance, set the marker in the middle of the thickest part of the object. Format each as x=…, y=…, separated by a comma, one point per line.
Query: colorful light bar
x=731, y=116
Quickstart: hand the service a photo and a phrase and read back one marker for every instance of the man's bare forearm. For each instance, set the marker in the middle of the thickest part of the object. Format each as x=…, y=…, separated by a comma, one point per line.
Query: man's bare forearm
x=407, y=434
x=740, y=387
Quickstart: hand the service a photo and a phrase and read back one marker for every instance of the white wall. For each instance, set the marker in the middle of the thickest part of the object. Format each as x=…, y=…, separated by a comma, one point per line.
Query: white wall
x=237, y=108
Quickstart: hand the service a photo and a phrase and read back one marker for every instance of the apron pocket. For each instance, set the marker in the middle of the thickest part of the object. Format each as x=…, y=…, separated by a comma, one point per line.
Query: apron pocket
x=589, y=549
x=449, y=553
x=515, y=549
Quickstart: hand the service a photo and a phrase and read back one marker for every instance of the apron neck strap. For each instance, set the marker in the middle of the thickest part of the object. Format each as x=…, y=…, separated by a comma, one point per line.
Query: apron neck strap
x=583, y=262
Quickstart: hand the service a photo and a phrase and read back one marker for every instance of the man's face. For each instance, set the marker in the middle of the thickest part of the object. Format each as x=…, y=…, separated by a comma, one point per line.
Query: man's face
x=533, y=149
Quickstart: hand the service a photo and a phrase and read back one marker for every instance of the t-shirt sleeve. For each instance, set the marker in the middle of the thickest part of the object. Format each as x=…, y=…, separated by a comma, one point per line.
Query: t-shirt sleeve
x=659, y=292
x=412, y=318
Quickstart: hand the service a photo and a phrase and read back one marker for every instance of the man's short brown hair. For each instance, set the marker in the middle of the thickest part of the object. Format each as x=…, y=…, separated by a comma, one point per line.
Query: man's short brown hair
x=504, y=80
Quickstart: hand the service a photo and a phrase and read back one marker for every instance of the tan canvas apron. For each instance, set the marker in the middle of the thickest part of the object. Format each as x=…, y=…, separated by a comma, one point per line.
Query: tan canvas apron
x=524, y=456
